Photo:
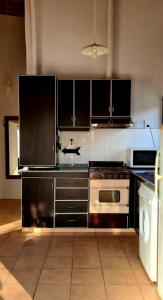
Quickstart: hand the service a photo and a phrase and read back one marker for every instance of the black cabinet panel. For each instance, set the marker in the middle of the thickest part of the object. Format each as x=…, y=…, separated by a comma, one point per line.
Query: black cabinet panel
x=71, y=194
x=100, y=97
x=37, y=120
x=71, y=182
x=71, y=220
x=37, y=202
x=82, y=103
x=121, y=97
x=108, y=220
x=71, y=206
x=65, y=103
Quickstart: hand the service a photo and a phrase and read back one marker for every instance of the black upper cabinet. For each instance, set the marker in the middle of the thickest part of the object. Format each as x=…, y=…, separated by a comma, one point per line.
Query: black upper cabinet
x=65, y=103
x=37, y=202
x=100, y=98
x=73, y=104
x=111, y=98
x=37, y=109
x=121, y=97
x=82, y=103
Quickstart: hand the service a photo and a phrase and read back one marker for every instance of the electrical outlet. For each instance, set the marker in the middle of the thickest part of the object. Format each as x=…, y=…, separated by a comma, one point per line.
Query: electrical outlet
x=147, y=123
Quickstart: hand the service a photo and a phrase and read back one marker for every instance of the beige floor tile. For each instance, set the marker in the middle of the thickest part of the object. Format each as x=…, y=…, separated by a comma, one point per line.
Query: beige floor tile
x=62, y=250
x=119, y=276
x=10, y=251
x=29, y=262
x=58, y=262
x=118, y=262
x=111, y=251
x=85, y=233
x=52, y=292
x=131, y=249
x=34, y=250
x=24, y=277
x=84, y=250
x=85, y=240
x=17, y=292
x=110, y=240
x=4, y=274
x=7, y=262
x=57, y=276
x=87, y=276
x=62, y=240
x=141, y=276
x=134, y=262
x=38, y=241
x=88, y=292
x=87, y=262
x=123, y=292
x=149, y=292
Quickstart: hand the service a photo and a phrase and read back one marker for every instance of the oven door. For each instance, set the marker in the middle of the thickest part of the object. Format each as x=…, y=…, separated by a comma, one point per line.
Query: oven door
x=109, y=196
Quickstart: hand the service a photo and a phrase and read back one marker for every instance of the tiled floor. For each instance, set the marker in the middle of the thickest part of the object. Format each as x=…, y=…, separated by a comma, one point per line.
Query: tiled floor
x=68, y=266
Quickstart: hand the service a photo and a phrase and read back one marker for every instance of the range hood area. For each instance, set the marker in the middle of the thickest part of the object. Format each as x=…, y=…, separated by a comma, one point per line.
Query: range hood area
x=111, y=122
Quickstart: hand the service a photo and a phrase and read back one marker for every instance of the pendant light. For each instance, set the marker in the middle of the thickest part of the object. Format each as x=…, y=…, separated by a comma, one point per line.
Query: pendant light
x=94, y=50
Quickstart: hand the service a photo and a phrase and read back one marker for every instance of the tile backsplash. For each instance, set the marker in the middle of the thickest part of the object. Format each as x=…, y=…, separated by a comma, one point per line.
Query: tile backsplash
x=106, y=144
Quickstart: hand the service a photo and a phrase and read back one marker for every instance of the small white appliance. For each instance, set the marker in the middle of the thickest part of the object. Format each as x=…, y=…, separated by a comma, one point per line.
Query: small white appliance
x=141, y=157
x=148, y=230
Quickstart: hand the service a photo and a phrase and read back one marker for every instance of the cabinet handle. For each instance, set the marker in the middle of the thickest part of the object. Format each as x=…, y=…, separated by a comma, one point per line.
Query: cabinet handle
x=113, y=109
x=71, y=220
x=53, y=148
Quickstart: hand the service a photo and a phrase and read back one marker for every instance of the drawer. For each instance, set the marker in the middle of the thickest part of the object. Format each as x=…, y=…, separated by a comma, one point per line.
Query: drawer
x=71, y=182
x=71, y=194
x=71, y=220
x=71, y=206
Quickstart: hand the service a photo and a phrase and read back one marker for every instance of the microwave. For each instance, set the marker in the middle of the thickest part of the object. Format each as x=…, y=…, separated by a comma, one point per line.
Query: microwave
x=141, y=158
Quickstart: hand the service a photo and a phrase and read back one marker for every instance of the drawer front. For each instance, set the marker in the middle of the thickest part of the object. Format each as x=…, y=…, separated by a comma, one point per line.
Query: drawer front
x=71, y=220
x=71, y=182
x=71, y=194
x=71, y=206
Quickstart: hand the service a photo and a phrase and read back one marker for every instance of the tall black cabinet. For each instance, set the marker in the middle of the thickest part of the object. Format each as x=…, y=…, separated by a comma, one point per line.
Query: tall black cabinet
x=37, y=109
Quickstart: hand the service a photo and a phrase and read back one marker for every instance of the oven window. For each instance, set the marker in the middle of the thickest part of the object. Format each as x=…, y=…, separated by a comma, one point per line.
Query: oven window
x=109, y=196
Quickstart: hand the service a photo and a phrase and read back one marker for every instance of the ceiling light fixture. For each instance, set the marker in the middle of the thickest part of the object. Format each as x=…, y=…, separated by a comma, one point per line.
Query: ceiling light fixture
x=94, y=50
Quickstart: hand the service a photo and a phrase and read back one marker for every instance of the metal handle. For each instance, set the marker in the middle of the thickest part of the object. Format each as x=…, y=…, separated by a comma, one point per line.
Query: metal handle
x=157, y=176
x=71, y=220
x=113, y=109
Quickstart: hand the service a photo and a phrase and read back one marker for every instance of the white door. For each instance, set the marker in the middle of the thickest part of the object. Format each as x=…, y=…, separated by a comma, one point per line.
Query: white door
x=160, y=234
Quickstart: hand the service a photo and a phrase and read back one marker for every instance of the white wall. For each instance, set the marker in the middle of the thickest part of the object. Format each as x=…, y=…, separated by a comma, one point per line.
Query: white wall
x=9, y=103
x=138, y=54
x=63, y=28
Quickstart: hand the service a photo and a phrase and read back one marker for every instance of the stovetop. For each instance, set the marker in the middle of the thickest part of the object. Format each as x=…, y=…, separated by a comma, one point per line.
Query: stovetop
x=108, y=170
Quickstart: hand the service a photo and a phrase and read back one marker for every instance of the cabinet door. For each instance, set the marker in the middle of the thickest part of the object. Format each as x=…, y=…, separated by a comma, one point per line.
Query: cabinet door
x=82, y=103
x=37, y=120
x=100, y=98
x=121, y=97
x=65, y=103
x=37, y=202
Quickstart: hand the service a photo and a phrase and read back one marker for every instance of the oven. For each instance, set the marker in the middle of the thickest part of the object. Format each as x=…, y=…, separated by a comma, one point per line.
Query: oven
x=109, y=196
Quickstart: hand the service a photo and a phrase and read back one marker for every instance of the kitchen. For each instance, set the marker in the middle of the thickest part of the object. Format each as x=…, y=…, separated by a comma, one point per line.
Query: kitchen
x=112, y=143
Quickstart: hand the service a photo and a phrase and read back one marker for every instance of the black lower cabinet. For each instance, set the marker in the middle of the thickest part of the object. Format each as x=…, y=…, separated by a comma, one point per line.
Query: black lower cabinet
x=38, y=202
x=108, y=220
x=71, y=220
x=134, y=203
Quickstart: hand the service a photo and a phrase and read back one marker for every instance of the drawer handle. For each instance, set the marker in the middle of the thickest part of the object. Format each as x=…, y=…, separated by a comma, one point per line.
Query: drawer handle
x=69, y=206
x=71, y=220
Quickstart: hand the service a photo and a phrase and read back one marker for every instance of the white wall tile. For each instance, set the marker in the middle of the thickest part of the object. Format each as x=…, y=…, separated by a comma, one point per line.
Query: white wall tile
x=107, y=144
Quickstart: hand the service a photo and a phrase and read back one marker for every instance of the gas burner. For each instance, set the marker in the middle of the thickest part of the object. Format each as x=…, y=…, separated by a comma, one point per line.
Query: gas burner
x=108, y=170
